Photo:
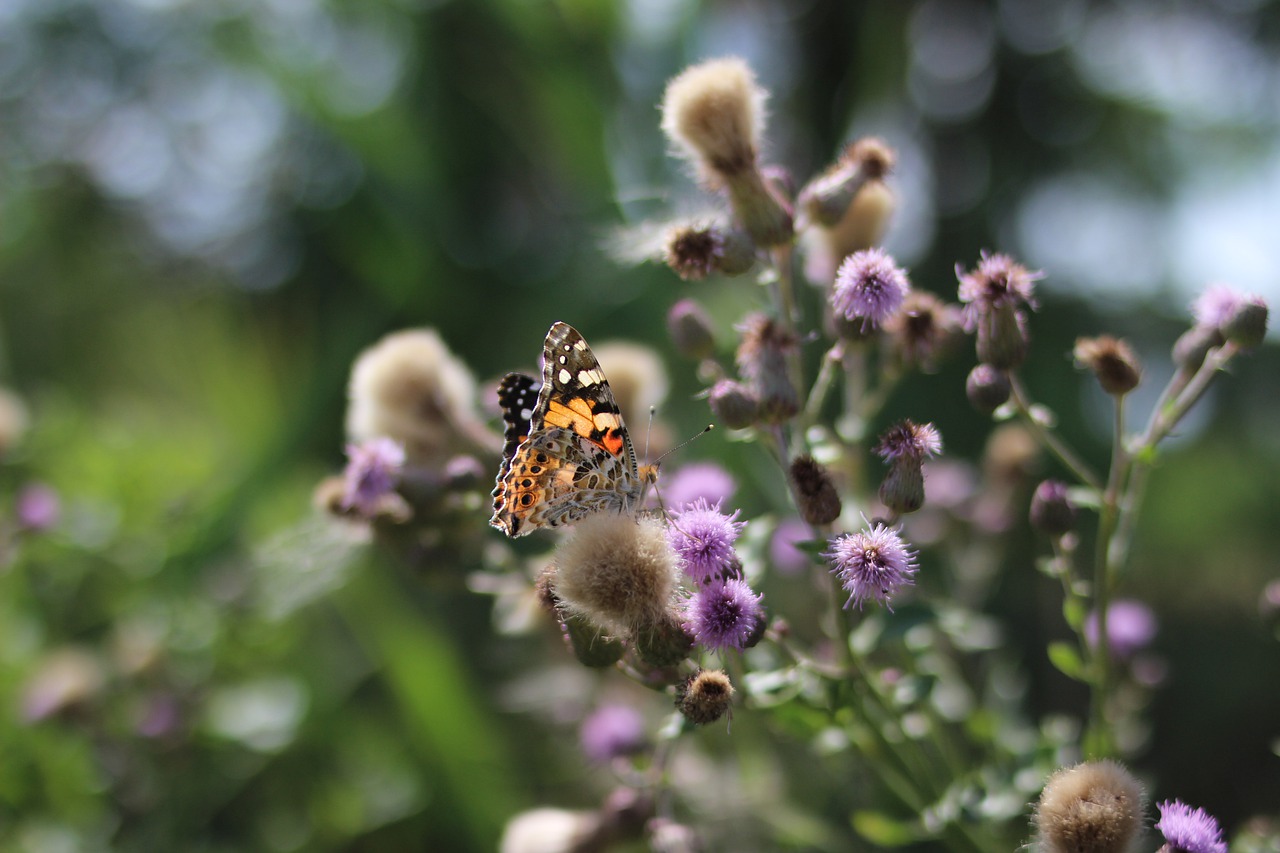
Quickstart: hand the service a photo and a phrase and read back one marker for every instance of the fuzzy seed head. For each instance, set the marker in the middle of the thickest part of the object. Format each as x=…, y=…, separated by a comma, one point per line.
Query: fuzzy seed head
x=714, y=113
x=1112, y=361
x=703, y=698
x=617, y=571
x=410, y=388
x=1094, y=807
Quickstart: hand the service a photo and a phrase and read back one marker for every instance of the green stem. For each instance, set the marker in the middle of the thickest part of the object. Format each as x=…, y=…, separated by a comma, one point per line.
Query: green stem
x=1164, y=421
x=1099, y=743
x=1055, y=445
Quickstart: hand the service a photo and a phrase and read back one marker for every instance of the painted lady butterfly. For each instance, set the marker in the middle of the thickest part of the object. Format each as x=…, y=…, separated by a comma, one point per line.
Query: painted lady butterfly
x=569, y=455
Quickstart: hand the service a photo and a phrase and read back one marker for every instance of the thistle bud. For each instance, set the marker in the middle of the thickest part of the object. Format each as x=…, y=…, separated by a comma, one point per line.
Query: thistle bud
x=827, y=198
x=703, y=698
x=1052, y=512
x=1240, y=317
x=762, y=360
x=987, y=388
x=1002, y=338
x=905, y=446
x=1112, y=361
x=816, y=495
x=590, y=645
x=690, y=330
x=663, y=642
x=994, y=294
x=923, y=329
x=733, y=404
x=1246, y=326
x=862, y=226
x=695, y=252
x=1094, y=807
x=760, y=210
x=714, y=114
x=1192, y=347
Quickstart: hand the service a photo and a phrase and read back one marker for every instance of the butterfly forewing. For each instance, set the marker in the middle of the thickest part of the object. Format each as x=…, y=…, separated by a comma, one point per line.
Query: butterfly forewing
x=573, y=457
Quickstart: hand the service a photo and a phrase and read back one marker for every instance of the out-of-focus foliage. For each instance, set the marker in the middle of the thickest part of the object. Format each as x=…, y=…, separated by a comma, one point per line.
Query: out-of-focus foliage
x=208, y=208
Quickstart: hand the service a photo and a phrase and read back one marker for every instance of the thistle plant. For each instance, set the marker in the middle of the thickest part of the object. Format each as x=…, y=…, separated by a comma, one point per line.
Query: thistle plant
x=819, y=619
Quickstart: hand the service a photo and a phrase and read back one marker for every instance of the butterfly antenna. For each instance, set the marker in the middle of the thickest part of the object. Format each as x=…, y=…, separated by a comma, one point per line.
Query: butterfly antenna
x=662, y=507
x=706, y=429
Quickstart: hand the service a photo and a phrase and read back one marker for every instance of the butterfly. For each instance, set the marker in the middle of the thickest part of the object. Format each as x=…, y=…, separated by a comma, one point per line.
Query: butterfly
x=567, y=453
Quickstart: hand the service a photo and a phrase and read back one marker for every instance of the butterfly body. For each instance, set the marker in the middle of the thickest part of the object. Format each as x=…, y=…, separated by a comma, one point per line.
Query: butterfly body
x=570, y=455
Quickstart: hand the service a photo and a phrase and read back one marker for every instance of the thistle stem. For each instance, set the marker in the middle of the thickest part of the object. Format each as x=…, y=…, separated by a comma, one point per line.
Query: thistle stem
x=1055, y=445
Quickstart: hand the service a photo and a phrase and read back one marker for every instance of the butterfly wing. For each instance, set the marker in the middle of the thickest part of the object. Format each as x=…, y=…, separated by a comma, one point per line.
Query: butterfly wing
x=576, y=457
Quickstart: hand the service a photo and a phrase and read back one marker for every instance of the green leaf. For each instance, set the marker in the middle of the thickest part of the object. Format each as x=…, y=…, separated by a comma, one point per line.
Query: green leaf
x=1073, y=611
x=882, y=830
x=1065, y=657
x=813, y=547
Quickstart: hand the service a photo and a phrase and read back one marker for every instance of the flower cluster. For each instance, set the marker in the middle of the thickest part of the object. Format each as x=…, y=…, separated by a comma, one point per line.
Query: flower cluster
x=723, y=611
x=651, y=592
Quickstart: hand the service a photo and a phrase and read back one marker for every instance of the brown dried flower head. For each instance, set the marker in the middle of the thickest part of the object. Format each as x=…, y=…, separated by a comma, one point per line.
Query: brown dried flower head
x=618, y=572
x=705, y=697
x=714, y=113
x=1094, y=807
x=1112, y=361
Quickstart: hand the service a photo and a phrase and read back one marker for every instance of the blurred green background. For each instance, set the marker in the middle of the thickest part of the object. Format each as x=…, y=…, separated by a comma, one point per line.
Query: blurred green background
x=208, y=208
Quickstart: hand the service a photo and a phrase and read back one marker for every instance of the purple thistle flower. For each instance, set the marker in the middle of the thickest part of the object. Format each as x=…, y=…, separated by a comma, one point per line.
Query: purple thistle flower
x=703, y=538
x=1216, y=304
x=872, y=564
x=705, y=480
x=1130, y=626
x=998, y=281
x=611, y=731
x=1189, y=830
x=869, y=286
x=373, y=468
x=723, y=615
x=783, y=553
x=909, y=441
x=37, y=507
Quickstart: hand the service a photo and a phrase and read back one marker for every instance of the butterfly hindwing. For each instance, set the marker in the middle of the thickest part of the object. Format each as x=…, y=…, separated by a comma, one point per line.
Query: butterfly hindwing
x=573, y=457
